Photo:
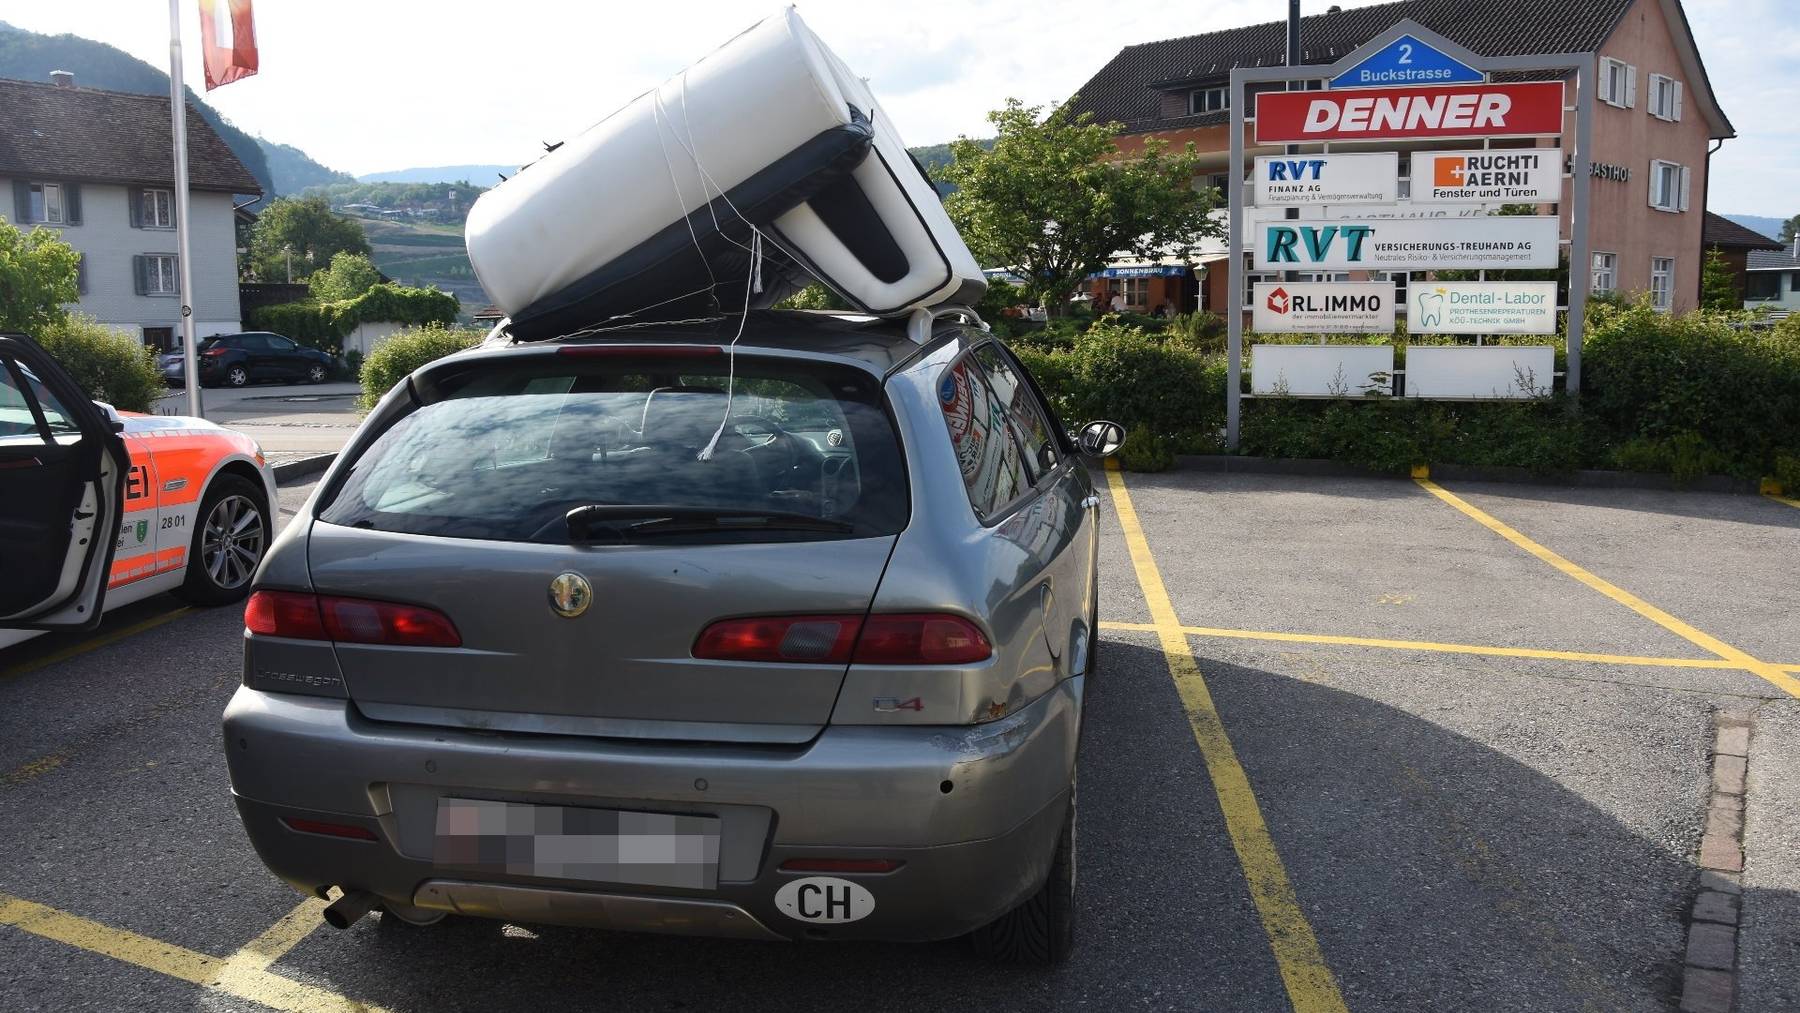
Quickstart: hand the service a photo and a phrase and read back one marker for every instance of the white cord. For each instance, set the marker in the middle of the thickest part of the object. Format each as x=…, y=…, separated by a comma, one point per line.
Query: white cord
x=752, y=283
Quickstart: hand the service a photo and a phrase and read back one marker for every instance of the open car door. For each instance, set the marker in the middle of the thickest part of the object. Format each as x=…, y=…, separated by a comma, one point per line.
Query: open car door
x=63, y=469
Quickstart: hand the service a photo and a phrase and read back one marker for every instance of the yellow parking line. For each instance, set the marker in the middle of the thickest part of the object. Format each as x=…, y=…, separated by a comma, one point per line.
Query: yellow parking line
x=1795, y=503
x=1427, y=645
x=94, y=643
x=141, y=951
x=282, y=936
x=239, y=977
x=1311, y=987
x=1774, y=674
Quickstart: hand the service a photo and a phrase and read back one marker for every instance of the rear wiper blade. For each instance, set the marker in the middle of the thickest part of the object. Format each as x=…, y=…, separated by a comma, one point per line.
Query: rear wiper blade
x=671, y=519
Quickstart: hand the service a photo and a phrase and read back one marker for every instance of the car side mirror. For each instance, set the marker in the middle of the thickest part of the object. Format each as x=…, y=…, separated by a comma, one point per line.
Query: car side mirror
x=113, y=418
x=1100, y=438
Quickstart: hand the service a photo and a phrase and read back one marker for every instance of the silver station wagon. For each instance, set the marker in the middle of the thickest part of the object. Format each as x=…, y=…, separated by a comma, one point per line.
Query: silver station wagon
x=785, y=639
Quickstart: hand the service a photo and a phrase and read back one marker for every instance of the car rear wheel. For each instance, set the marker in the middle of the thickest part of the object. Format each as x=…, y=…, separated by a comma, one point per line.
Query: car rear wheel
x=1041, y=930
x=230, y=538
x=237, y=376
x=316, y=373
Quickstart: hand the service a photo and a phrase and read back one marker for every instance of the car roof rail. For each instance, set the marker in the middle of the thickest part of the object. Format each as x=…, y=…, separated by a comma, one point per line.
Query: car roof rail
x=919, y=324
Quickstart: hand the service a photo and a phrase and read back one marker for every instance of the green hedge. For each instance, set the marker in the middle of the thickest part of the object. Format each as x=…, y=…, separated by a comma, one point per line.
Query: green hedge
x=1150, y=384
x=324, y=325
x=110, y=365
x=1705, y=393
x=1679, y=392
x=395, y=359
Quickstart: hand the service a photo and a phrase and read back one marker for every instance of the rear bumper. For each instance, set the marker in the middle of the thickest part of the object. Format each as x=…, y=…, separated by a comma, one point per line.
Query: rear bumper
x=968, y=853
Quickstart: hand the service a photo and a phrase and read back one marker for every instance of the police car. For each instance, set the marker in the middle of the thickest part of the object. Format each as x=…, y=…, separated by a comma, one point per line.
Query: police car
x=100, y=508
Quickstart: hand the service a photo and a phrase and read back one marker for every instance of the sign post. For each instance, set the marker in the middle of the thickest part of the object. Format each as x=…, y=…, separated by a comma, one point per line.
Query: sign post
x=1411, y=83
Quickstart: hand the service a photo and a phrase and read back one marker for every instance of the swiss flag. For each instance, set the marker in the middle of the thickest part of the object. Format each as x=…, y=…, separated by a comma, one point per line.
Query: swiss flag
x=227, y=41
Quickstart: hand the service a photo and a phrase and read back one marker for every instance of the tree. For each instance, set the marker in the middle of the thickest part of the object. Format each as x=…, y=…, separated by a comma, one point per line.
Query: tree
x=1718, y=289
x=1053, y=201
x=38, y=273
x=303, y=231
x=346, y=277
x=1789, y=228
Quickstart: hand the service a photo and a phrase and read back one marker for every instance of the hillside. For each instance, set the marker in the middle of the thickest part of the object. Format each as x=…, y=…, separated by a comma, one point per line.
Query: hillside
x=483, y=175
x=1770, y=227
x=294, y=171
x=31, y=56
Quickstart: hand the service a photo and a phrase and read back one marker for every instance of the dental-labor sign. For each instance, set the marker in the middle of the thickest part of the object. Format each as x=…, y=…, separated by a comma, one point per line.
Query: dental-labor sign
x=1409, y=244
x=1520, y=109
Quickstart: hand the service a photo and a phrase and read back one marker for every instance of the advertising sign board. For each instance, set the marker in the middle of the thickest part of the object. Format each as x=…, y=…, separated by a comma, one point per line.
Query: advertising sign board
x=1322, y=370
x=1507, y=176
x=1484, y=371
x=1312, y=180
x=1482, y=307
x=1362, y=307
x=1518, y=109
x=1406, y=60
x=1495, y=241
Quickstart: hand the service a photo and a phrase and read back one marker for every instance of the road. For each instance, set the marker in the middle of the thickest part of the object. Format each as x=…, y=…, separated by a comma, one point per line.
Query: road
x=1356, y=744
x=289, y=421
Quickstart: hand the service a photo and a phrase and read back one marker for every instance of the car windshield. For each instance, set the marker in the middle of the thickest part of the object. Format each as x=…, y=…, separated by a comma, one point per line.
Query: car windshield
x=511, y=448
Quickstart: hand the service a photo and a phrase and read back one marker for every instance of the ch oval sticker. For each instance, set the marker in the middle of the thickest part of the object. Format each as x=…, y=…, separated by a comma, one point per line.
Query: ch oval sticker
x=825, y=900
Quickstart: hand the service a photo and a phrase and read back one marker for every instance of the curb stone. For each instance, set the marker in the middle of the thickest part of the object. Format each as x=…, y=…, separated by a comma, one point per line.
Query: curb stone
x=288, y=471
x=1589, y=478
x=1709, y=977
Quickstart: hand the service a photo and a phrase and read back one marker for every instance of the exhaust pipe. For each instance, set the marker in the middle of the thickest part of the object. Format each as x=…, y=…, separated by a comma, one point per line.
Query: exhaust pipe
x=344, y=912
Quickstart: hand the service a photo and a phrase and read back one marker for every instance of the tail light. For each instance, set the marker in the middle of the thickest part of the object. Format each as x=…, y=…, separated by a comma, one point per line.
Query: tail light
x=216, y=350
x=347, y=620
x=879, y=640
x=815, y=640
x=921, y=640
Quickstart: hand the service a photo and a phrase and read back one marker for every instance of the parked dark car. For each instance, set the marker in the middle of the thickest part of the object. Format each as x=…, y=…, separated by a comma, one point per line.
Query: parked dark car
x=233, y=360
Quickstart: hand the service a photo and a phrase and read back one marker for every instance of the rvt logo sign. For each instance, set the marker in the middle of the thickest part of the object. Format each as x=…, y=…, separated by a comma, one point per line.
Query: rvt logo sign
x=1288, y=244
x=1284, y=170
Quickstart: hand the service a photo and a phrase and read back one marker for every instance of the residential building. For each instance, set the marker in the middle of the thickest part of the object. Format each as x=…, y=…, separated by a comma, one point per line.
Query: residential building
x=1773, y=279
x=1734, y=243
x=1654, y=119
x=97, y=166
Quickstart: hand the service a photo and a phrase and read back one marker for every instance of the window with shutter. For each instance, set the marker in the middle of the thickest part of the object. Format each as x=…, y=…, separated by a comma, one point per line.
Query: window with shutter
x=138, y=277
x=72, y=203
x=134, y=208
x=21, y=202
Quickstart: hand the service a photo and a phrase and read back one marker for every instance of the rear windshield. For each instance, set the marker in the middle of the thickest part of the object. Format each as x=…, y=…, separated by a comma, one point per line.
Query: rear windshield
x=509, y=448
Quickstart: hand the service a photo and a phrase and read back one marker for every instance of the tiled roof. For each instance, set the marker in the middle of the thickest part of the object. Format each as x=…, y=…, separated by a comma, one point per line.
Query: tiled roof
x=1773, y=260
x=1126, y=88
x=1722, y=231
x=89, y=135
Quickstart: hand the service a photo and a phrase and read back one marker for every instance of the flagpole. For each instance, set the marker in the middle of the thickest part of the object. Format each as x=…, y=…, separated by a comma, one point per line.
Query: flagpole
x=184, y=263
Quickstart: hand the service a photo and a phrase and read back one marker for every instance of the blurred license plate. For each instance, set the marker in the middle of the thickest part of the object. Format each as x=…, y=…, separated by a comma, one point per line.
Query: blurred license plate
x=561, y=842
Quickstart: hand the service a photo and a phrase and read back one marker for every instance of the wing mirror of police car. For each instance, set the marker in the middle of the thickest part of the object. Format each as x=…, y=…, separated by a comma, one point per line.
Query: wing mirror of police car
x=1100, y=438
x=113, y=418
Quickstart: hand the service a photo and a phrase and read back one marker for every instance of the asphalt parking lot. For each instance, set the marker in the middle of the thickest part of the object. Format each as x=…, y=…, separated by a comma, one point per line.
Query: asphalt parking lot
x=1356, y=743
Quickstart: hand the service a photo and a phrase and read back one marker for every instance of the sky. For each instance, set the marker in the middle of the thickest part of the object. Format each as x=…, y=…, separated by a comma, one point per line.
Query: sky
x=371, y=85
